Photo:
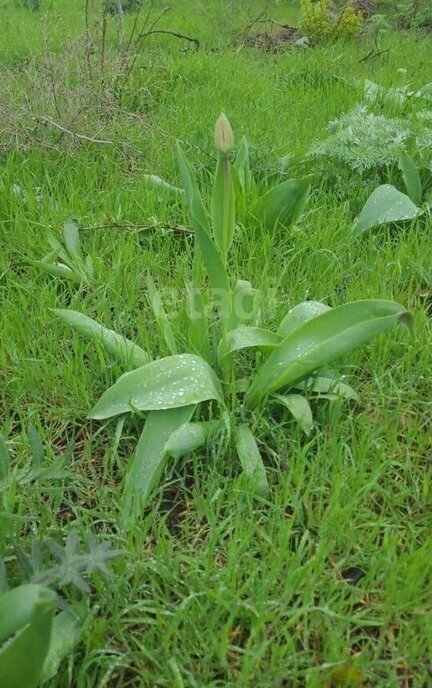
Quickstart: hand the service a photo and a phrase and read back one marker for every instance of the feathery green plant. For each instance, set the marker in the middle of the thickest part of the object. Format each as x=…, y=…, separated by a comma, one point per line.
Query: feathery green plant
x=34, y=638
x=30, y=628
x=362, y=140
x=194, y=399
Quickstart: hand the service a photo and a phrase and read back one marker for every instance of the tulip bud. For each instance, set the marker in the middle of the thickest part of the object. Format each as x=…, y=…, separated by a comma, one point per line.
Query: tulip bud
x=224, y=137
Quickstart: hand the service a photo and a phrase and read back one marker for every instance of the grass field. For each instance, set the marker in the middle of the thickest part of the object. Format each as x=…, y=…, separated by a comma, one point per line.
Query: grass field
x=213, y=587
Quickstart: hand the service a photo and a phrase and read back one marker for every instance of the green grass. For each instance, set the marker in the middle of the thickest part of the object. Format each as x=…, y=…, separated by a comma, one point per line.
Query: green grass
x=215, y=589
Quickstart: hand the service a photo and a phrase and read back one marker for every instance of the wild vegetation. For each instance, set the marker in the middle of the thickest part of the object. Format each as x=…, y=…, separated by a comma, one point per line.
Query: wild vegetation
x=214, y=446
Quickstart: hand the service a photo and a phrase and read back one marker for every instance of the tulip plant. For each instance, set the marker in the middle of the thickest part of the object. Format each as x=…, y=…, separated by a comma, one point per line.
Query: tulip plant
x=192, y=399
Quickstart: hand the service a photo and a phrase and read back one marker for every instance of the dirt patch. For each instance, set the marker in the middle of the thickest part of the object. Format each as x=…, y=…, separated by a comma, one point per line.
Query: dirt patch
x=272, y=39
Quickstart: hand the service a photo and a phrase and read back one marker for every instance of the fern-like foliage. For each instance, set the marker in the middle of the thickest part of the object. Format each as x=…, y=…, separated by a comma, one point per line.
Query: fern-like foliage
x=362, y=140
x=54, y=565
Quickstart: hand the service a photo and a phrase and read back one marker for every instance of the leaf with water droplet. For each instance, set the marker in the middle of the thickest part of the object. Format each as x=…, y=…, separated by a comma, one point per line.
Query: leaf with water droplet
x=170, y=382
x=322, y=340
x=300, y=314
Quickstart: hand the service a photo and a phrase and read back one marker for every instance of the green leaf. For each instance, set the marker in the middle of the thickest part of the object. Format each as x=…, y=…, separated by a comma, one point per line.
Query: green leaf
x=321, y=340
x=245, y=303
x=88, y=267
x=56, y=269
x=4, y=587
x=113, y=343
x=52, y=255
x=4, y=459
x=65, y=634
x=212, y=260
x=283, y=204
x=155, y=301
x=199, y=335
x=248, y=337
x=58, y=248
x=36, y=447
x=25, y=562
x=18, y=606
x=167, y=383
x=242, y=167
x=411, y=177
x=150, y=457
x=385, y=204
x=425, y=91
x=300, y=314
x=299, y=408
x=223, y=205
x=161, y=186
x=26, y=618
x=251, y=461
x=189, y=437
x=322, y=385
x=71, y=238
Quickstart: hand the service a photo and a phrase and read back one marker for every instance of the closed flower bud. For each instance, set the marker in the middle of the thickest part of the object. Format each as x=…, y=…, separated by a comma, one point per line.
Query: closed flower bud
x=224, y=137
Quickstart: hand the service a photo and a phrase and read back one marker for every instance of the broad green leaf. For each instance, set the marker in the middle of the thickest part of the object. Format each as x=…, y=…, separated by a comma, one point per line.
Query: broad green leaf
x=113, y=343
x=19, y=605
x=167, y=383
x=71, y=238
x=88, y=267
x=58, y=248
x=245, y=303
x=249, y=337
x=385, y=204
x=25, y=562
x=21, y=660
x=56, y=269
x=52, y=255
x=283, y=204
x=164, y=325
x=322, y=385
x=212, y=260
x=242, y=167
x=161, y=186
x=299, y=408
x=4, y=587
x=4, y=459
x=36, y=447
x=150, y=457
x=193, y=195
x=199, y=335
x=391, y=96
x=189, y=437
x=411, y=177
x=26, y=618
x=251, y=461
x=223, y=206
x=320, y=341
x=425, y=91
x=300, y=314
x=66, y=631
